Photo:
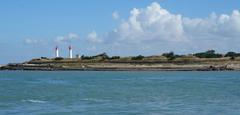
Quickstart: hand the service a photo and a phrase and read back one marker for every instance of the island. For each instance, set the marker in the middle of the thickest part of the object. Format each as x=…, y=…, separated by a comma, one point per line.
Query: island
x=204, y=61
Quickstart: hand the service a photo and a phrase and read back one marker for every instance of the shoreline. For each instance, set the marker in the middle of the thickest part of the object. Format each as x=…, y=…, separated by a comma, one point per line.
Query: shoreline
x=130, y=70
x=119, y=68
x=127, y=64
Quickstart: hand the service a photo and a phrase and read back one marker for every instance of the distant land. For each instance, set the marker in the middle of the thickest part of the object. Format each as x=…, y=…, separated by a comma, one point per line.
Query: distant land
x=204, y=61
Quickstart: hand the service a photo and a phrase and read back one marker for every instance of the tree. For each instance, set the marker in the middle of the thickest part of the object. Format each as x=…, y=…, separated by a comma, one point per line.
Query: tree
x=44, y=58
x=170, y=55
x=58, y=58
x=139, y=57
x=232, y=58
x=208, y=54
x=232, y=54
x=115, y=57
x=102, y=55
x=86, y=57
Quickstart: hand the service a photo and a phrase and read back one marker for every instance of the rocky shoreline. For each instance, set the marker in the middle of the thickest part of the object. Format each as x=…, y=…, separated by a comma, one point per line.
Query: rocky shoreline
x=122, y=67
x=151, y=63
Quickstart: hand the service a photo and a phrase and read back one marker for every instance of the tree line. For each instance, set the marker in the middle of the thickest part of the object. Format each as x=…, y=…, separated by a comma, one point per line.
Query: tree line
x=206, y=54
x=169, y=56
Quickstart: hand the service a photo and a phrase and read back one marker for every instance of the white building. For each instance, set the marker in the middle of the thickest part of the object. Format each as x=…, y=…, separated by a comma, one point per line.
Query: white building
x=70, y=52
x=56, y=52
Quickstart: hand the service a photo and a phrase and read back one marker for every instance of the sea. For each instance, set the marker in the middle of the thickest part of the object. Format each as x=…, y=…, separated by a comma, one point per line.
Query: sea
x=119, y=93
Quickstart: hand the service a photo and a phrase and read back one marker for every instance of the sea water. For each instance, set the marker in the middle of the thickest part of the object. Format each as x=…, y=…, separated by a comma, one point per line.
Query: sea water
x=119, y=93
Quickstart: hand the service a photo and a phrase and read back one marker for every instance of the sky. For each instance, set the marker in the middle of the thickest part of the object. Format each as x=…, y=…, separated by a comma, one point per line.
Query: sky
x=32, y=29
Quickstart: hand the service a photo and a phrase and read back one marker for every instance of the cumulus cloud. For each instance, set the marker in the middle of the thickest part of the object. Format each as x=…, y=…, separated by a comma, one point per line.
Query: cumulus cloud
x=153, y=23
x=115, y=15
x=68, y=38
x=156, y=29
x=94, y=38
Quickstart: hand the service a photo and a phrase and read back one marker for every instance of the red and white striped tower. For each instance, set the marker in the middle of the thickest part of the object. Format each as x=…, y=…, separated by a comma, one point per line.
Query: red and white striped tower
x=56, y=52
x=70, y=52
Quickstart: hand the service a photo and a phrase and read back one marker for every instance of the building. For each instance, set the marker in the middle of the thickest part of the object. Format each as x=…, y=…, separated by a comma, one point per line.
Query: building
x=78, y=56
x=70, y=52
x=56, y=52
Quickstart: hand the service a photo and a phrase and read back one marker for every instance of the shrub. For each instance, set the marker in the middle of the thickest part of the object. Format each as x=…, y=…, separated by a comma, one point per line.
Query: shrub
x=44, y=58
x=58, y=58
x=208, y=54
x=102, y=55
x=86, y=57
x=170, y=55
x=115, y=57
x=139, y=57
x=232, y=58
x=232, y=54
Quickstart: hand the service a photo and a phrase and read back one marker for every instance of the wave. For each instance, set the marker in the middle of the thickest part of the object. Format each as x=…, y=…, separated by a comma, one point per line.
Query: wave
x=94, y=100
x=34, y=101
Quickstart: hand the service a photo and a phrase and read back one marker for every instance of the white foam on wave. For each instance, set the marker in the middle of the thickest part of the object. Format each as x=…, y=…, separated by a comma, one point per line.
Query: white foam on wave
x=95, y=100
x=34, y=101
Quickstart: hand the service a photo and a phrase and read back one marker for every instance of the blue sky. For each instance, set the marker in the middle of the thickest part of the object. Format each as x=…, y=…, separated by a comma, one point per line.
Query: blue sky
x=31, y=29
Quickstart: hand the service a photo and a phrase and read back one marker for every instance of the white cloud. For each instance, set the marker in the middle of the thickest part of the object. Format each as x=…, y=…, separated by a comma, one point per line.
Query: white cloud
x=93, y=38
x=68, y=38
x=152, y=23
x=115, y=15
x=33, y=41
x=154, y=29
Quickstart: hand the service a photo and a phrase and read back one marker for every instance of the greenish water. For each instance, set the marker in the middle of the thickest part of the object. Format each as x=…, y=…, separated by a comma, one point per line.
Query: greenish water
x=123, y=93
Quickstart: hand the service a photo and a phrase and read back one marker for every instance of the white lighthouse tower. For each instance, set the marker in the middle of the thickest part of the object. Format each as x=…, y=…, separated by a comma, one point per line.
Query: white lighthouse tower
x=56, y=52
x=70, y=52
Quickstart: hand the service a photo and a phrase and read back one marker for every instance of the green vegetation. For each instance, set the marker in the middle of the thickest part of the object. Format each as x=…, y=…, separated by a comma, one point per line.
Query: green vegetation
x=44, y=58
x=58, y=58
x=83, y=57
x=139, y=57
x=203, y=61
x=208, y=54
x=232, y=54
x=169, y=56
x=115, y=57
x=102, y=56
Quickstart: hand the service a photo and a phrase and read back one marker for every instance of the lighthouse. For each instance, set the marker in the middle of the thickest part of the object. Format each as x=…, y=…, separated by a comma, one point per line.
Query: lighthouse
x=70, y=52
x=56, y=52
